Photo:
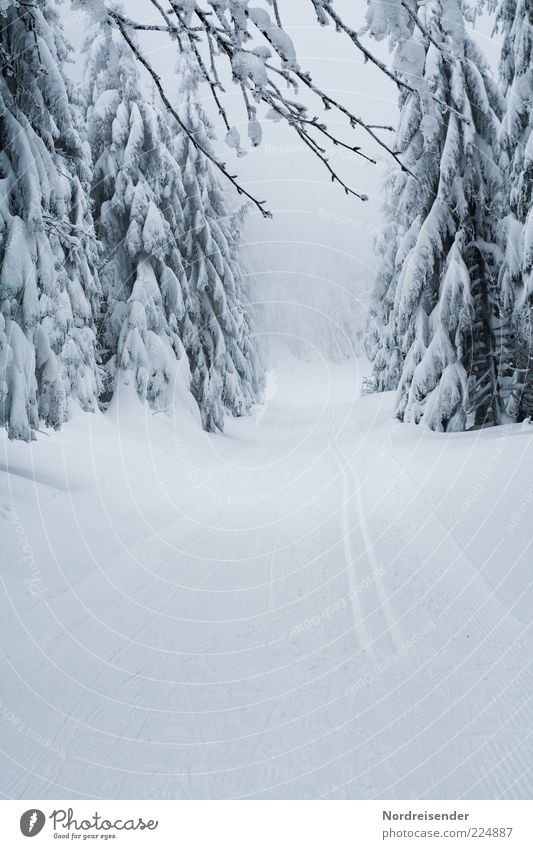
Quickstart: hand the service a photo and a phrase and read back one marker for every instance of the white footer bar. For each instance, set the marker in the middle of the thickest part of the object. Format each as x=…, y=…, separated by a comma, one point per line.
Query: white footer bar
x=268, y=824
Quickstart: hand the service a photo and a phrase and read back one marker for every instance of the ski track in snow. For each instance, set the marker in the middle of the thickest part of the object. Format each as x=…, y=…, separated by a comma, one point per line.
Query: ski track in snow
x=359, y=618
x=285, y=611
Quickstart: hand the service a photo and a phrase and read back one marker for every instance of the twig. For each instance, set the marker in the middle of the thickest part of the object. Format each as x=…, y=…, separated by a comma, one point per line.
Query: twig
x=157, y=80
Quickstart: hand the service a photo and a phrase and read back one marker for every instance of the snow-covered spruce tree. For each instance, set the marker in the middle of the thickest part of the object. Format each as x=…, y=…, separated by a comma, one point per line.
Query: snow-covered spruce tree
x=135, y=177
x=405, y=196
x=217, y=337
x=48, y=283
x=444, y=320
x=515, y=18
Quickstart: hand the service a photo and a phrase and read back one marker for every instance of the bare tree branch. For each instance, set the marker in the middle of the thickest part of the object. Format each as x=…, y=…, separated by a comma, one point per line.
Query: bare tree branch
x=276, y=13
x=330, y=102
x=224, y=31
x=157, y=81
x=369, y=57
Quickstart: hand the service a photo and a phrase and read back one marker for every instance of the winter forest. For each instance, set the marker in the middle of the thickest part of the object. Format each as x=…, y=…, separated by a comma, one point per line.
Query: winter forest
x=120, y=253
x=266, y=390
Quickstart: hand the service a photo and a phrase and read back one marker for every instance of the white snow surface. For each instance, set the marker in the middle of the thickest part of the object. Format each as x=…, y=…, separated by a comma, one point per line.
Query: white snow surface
x=320, y=603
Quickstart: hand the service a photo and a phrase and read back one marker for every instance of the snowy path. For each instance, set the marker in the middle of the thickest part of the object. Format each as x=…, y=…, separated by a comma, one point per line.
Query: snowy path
x=291, y=610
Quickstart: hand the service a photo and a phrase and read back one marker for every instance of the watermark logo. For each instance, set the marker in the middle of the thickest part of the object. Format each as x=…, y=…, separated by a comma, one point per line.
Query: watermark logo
x=32, y=822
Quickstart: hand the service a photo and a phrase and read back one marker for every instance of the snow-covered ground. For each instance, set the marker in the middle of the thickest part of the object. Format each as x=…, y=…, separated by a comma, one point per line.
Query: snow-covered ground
x=320, y=603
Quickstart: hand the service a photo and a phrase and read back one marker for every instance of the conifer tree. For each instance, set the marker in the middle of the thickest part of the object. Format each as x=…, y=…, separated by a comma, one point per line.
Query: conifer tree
x=49, y=286
x=441, y=328
x=217, y=335
x=515, y=19
x=170, y=274
x=135, y=178
x=406, y=194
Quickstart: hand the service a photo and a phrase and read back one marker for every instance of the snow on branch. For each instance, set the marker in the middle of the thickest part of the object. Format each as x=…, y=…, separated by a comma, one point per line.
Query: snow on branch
x=117, y=18
x=218, y=32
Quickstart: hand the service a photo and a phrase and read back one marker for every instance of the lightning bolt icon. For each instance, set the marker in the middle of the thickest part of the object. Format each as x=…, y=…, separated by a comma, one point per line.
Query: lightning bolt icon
x=33, y=820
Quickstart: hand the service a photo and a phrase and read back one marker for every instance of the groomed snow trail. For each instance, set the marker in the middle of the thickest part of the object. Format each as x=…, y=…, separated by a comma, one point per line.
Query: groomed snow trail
x=290, y=610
